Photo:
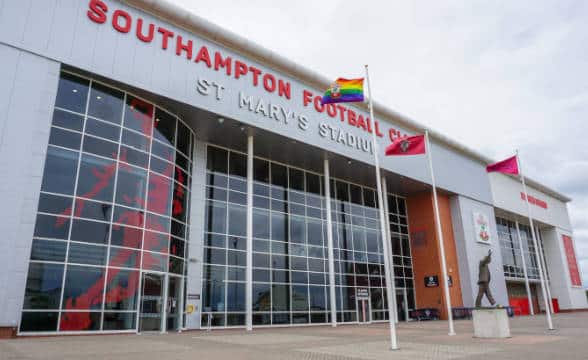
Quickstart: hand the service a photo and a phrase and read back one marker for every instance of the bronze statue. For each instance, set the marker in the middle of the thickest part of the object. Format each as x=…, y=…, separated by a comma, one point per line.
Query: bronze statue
x=484, y=280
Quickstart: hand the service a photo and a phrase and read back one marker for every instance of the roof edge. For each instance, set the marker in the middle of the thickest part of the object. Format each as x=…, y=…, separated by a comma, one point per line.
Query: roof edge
x=193, y=23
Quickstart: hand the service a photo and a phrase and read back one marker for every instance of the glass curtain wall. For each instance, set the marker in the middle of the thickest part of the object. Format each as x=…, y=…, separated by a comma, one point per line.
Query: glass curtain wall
x=290, y=267
x=511, y=253
x=113, y=202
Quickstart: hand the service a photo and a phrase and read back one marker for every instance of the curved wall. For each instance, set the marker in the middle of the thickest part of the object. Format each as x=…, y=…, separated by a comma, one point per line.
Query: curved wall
x=113, y=203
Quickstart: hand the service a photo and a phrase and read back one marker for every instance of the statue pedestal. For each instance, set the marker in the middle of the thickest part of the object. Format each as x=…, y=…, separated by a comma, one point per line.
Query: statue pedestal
x=491, y=323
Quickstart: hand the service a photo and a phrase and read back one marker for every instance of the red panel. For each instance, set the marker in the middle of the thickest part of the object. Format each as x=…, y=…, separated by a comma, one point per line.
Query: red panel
x=520, y=305
x=572, y=263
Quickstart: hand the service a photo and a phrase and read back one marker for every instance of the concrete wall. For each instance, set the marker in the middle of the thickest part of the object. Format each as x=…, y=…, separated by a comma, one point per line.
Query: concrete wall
x=28, y=86
x=62, y=30
x=569, y=297
x=470, y=252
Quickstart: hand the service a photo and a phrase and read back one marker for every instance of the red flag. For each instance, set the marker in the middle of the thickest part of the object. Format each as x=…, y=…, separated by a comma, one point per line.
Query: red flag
x=507, y=166
x=411, y=145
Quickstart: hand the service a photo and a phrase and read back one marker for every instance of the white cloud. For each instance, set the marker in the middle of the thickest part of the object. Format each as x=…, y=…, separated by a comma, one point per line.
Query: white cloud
x=495, y=76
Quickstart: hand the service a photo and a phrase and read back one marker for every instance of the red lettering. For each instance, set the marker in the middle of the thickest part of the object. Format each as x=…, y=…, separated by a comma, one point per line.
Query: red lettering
x=361, y=123
x=97, y=11
x=240, y=69
x=392, y=134
x=256, y=72
x=306, y=97
x=145, y=38
x=203, y=55
x=342, y=111
x=369, y=125
x=115, y=23
x=331, y=110
x=360, y=120
x=183, y=47
x=378, y=132
x=269, y=83
x=284, y=89
x=224, y=63
x=351, y=116
x=318, y=104
x=165, y=36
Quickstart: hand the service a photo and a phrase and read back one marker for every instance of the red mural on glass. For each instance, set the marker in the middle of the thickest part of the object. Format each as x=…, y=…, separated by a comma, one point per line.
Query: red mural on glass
x=158, y=201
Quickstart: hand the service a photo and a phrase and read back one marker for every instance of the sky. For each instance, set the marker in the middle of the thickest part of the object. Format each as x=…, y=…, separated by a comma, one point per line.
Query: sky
x=494, y=75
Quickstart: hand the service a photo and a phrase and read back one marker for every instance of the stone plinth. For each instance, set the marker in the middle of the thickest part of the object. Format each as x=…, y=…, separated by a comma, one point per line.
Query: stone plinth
x=491, y=323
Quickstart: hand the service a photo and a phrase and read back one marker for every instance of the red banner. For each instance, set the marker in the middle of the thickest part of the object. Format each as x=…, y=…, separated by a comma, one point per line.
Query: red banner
x=572, y=263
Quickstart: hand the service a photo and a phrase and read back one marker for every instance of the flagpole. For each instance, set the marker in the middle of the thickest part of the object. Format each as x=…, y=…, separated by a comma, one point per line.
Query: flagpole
x=440, y=236
x=390, y=284
x=537, y=258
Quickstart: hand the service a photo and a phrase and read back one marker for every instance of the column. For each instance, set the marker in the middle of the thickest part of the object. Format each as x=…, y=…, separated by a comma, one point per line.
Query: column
x=544, y=265
x=333, y=298
x=249, y=272
x=529, y=297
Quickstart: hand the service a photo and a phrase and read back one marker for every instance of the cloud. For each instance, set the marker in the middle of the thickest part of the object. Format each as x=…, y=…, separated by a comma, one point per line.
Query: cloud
x=495, y=76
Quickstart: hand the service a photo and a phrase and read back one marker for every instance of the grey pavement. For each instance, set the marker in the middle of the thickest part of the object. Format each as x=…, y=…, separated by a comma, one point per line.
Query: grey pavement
x=417, y=340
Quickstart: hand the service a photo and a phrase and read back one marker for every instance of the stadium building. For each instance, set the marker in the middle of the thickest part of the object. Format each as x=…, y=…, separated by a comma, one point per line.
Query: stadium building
x=138, y=141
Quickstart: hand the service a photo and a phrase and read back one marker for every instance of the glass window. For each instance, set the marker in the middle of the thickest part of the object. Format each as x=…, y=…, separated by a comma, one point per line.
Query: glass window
x=51, y=226
x=59, y=175
x=138, y=115
x=38, y=321
x=119, y=321
x=72, y=93
x=86, y=254
x=80, y=321
x=217, y=160
x=261, y=224
x=106, y=103
x=54, y=204
x=100, y=147
x=96, y=178
x=313, y=184
x=296, y=179
x=102, y=129
x=165, y=127
x=280, y=297
x=237, y=164
x=136, y=141
x=279, y=175
x=121, y=290
x=90, y=231
x=64, y=138
x=235, y=296
x=130, y=187
x=93, y=210
x=43, y=289
x=261, y=297
x=48, y=250
x=183, y=141
x=66, y=119
x=261, y=170
x=237, y=220
x=299, y=298
x=83, y=288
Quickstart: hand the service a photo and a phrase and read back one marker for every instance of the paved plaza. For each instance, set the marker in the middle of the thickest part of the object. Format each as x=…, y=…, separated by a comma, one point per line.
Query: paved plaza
x=418, y=340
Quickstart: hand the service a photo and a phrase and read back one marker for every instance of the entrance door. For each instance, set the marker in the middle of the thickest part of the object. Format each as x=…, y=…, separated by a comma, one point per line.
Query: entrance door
x=151, y=302
x=401, y=305
x=364, y=311
x=173, y=308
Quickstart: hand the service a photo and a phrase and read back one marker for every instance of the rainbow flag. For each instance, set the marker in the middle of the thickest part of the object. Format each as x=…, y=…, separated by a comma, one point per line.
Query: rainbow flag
x=344, y=90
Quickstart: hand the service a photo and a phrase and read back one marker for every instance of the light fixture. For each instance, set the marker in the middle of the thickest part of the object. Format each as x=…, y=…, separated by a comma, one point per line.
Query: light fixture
x=221, y=120
x=157, y=120
x=348, y=162
x=98, y=97
x=242, y=128
x=75, y=90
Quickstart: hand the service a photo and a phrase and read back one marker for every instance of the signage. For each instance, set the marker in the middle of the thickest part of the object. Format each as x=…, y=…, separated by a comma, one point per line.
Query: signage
x=431, y=281
x=362, y=294
x=572, y=263
x=190, y=308
x=482, y=228
x=193, y=296
x=533, y=200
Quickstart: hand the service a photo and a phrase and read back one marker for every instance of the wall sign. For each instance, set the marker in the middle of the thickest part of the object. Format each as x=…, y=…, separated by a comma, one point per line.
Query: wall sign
x=533, y=200
x=572, y=263
x=482, y=228
x=432, y=281
x=362, y=294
